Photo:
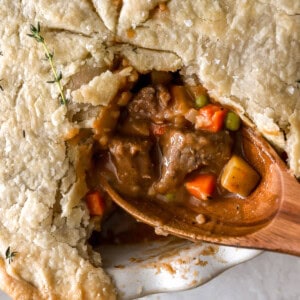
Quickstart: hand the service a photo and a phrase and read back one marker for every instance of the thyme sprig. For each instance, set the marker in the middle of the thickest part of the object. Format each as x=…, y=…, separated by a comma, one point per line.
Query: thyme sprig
x=1, y=88
x=36, y=34
x=9, y=255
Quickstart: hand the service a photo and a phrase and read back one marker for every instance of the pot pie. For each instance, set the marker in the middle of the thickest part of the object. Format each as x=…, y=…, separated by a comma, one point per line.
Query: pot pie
x=245, y=55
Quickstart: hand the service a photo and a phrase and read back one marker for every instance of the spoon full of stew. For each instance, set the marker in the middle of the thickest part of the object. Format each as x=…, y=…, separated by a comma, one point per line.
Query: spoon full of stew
x=178, y=161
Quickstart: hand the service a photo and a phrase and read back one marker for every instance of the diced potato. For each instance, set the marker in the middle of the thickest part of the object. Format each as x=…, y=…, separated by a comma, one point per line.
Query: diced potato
x=181, y=98
x=239, y=177
x=197, y=90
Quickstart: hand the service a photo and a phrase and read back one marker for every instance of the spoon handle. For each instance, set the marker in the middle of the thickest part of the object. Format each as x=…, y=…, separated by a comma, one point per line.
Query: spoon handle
x=282, y=234
x=286, y=227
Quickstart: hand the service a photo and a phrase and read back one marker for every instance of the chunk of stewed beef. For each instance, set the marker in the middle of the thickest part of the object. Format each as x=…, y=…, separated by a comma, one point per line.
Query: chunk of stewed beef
x=133, y=168
x=155, y=103
x=144, y=104
x=184, y=151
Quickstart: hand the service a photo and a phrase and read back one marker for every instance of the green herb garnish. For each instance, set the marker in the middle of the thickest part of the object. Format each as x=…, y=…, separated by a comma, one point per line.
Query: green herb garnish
x=36, y=34
x=10, y=255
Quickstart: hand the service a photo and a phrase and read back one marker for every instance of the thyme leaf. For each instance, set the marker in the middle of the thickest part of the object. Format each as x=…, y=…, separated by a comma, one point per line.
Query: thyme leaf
x=35, y=33
x=9, y=255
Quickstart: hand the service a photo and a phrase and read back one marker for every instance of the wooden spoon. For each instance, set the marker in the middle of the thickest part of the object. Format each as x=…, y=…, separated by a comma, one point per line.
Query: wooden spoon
x=269, y=218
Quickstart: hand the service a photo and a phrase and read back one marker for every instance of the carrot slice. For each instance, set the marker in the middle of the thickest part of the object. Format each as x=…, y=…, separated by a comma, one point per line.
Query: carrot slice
x=95, y=203
x=211, y=118
x=202, y=186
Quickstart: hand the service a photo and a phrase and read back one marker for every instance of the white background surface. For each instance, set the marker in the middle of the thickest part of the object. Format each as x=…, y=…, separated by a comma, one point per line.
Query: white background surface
x=269, y=276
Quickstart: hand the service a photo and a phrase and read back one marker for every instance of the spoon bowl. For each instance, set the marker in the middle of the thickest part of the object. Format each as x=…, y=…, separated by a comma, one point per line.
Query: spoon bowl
x=268, y=219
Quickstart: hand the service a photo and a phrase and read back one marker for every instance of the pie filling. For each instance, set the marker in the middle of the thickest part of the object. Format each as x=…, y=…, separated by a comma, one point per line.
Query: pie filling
x=163, y=140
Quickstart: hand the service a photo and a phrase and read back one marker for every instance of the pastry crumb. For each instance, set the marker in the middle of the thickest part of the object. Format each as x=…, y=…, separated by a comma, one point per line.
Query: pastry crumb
x=200, y=219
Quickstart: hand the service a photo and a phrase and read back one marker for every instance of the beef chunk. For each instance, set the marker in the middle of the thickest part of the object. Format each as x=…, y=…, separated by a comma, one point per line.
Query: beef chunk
x=162, y=105
x=163, y=95
x=152, y=103
x=186, y=151
x=144, y=105
x=133, y=168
